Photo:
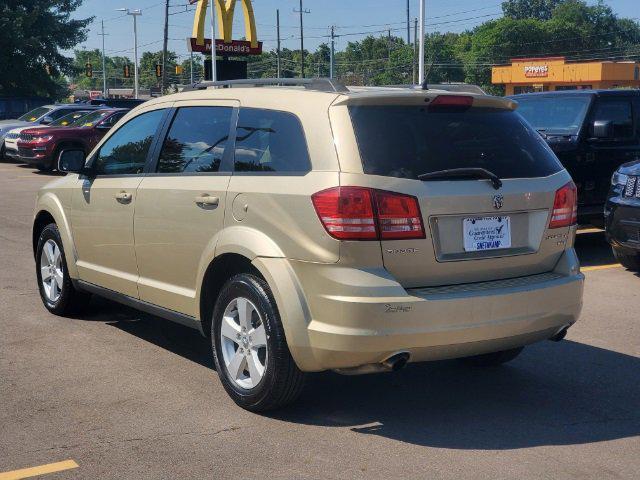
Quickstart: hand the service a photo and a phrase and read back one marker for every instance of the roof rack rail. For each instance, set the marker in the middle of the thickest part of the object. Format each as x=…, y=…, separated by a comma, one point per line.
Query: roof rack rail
x=318, y=84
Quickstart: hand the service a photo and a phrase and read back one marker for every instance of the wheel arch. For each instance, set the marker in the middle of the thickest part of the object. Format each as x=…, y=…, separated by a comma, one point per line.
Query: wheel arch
x=242, y=249
x=50, y=210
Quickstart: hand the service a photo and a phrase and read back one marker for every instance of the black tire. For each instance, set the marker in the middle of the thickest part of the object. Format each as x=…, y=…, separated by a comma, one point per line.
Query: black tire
x=45, y=167
x=282, y=381
x=70, y=300
x=630, y=261
x=493, y=359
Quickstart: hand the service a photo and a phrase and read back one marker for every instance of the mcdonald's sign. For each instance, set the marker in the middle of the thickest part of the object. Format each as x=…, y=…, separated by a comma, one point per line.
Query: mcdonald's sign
x=225, y=10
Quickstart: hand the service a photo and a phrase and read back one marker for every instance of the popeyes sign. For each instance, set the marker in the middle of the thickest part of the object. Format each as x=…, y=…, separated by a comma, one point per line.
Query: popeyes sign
x=536, y=71
x=224, y=13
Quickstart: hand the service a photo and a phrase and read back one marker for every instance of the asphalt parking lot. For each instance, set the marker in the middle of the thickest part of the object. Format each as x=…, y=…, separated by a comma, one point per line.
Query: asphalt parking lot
x=116, y=394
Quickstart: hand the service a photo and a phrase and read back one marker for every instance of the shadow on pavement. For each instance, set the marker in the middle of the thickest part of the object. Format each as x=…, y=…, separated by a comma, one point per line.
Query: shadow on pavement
x=552, y=394
x=593, y=249
x=183, y=341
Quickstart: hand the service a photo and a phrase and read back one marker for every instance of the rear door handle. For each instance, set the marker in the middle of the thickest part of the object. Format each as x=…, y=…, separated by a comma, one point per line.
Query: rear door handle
x=124, y=197
x=206, y=199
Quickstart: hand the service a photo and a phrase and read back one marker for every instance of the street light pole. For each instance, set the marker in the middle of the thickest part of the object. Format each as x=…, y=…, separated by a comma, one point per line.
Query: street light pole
x=134, y=14
x=421, y=40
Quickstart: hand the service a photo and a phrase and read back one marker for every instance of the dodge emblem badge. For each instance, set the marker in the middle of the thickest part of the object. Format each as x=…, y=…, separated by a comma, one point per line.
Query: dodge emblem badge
x=498, y=201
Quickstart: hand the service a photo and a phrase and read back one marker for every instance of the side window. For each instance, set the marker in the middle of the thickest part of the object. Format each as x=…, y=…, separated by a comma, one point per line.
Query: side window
x=125, y=152
x=56, y=114
x=617, y=111
x=270, y=141
x=113, y=119
x=196, y=140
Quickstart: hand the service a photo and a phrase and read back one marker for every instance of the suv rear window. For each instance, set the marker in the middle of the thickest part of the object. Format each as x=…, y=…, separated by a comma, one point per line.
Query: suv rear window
x=406, y=141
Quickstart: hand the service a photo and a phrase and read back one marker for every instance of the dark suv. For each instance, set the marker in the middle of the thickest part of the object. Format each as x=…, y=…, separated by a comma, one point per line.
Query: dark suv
x=592, y=132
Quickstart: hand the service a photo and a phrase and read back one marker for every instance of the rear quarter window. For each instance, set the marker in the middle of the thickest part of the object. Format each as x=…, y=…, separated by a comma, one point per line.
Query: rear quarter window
x=270, y=141
x=407, y=141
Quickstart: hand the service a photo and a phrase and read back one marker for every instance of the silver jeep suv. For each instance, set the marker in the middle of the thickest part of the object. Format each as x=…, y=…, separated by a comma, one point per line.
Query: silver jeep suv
x=311, y=227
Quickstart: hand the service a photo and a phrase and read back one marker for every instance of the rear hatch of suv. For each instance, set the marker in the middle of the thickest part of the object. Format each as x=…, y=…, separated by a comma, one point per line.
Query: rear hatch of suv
x=461, y=188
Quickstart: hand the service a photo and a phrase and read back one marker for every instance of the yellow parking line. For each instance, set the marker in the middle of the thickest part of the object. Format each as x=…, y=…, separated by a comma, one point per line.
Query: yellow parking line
x=590, y=230
x=589, y=269
x=41, y=470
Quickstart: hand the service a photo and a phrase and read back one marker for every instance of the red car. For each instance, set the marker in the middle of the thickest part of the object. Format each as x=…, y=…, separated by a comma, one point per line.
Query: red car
x=41, y=146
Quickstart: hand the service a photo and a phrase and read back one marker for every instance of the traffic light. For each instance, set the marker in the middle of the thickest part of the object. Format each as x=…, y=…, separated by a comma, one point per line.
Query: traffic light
x=88, y=69
x=178, y=69
x=127, y=72
x=158, y=70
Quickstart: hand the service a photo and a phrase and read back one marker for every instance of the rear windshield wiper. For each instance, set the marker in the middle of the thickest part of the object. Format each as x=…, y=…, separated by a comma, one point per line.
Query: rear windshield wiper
x=463, y=173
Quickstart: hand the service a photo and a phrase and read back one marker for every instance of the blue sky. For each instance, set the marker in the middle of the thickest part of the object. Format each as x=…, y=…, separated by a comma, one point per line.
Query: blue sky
x=352, y=17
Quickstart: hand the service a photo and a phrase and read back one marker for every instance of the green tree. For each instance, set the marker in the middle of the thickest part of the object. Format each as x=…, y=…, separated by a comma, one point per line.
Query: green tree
x=32, y=34
x=147, y=68
x=538, y=9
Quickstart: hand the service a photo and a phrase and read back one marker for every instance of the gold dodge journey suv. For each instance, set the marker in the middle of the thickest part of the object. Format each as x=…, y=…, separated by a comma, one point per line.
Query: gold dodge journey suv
x=305, y=226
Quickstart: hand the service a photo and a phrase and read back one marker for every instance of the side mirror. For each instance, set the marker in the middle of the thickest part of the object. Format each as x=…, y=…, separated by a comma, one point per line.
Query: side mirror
x=71, y=161
x=46, y=120
x=602, y=129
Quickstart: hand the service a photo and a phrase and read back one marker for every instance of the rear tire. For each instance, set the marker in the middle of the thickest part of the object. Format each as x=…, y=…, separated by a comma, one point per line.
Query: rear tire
x=630, y=261
x=493, y=359
x=57, y=292
x=250, y=350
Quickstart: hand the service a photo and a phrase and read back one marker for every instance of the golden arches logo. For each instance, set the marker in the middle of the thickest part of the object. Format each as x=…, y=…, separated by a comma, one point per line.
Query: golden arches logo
x=225, y=11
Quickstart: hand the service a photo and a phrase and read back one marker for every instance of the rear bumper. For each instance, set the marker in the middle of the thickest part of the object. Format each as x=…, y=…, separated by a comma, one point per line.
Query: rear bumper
x=363, y=317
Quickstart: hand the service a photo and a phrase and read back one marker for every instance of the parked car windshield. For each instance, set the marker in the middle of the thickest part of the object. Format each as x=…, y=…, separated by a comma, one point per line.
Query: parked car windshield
x=91, y=119
x=406, y=141
x=554, y=114
x=34, y=114
x=68, y=119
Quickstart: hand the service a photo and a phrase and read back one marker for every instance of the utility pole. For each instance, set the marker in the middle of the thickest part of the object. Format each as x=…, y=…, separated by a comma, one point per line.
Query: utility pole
x=408, y=26
x=333, y=53
x=415, y=50
x=301, y=11
x=104, y=68
x=421, y=54
x=278, y=44
x=163, y=85
x=134, y=14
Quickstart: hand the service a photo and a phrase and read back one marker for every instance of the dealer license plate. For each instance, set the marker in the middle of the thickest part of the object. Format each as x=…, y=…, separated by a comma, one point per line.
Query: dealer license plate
x=486, y=233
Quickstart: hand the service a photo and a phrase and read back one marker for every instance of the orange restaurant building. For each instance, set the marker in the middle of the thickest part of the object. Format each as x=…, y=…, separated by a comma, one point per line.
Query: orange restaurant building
x=555, y=73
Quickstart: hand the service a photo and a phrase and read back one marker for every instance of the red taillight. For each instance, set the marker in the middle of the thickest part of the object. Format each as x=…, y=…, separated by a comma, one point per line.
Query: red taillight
x=565, y=207
x=398, y=216
x=452, y=101
x=358, y=213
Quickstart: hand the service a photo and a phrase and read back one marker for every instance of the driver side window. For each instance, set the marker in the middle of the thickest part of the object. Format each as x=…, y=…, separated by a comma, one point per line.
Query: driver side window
x=126, y=151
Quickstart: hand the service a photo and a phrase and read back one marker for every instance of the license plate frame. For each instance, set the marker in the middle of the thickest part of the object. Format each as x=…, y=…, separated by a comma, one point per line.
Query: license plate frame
x=486, y=233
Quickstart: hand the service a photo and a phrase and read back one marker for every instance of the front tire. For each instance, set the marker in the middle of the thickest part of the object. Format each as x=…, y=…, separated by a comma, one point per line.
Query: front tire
x=493, y=359
x=57, y=292
x=249, y=346
x=630, y=261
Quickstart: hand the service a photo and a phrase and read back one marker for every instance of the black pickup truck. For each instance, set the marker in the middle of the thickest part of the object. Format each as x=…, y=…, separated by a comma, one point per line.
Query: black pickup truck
x=592, y=132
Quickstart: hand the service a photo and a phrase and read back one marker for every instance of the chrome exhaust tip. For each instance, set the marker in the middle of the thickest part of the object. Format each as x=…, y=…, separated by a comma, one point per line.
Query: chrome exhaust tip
x=391, y=364
x=396, y=361
x=560, y=335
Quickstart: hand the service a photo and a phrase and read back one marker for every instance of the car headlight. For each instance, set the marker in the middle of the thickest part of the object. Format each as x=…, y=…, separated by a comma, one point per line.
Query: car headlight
x=619, y=179
x=42, y=138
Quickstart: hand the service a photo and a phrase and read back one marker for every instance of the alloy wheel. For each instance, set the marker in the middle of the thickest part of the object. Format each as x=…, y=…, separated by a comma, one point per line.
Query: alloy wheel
x=51, y=271
x=244, y=343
